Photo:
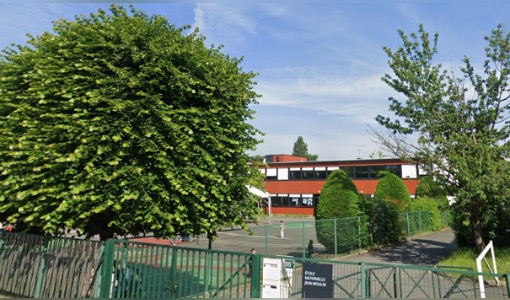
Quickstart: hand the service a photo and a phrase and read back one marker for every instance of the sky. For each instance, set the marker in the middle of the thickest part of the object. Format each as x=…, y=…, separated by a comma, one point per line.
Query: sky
x=319, y=63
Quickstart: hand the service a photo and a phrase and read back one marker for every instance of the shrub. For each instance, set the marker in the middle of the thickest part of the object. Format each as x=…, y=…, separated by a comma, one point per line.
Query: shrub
x=429, y=205
x=429, y=188
x=497, y=222
x=383, y=221
x=339, y=199
x=392, y=188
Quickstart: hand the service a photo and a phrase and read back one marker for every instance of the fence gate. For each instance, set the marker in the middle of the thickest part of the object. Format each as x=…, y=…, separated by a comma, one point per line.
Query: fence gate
x=133, y=269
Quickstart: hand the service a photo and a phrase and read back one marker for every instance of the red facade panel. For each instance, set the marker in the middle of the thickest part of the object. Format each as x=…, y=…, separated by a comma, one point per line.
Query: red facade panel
x=308, y=211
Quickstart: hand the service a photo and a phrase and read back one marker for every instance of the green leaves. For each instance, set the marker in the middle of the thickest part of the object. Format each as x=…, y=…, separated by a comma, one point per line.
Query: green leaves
x=118, y=123
x=458, y=121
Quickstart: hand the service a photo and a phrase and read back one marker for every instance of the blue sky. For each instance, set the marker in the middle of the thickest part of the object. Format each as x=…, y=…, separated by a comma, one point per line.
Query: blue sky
x=319, y=62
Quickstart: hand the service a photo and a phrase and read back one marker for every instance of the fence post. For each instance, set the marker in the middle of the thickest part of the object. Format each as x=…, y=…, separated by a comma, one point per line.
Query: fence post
x=173, y=272
x=420, y=221
x=304, y=241
x=363, y=280
x=107, y=268
x=507, y=285
x=336, y=238
x=97, y=274
x=42, y=266
x=255, y=276
x=359, y=234
x=265, y=239
x=408, y=224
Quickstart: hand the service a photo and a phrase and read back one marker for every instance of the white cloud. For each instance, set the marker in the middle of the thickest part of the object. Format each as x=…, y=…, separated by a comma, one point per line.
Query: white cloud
x=360, y=97
x=222, y=23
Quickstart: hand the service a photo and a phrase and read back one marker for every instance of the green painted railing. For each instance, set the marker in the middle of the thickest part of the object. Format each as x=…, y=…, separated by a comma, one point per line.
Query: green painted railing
x=44, y=267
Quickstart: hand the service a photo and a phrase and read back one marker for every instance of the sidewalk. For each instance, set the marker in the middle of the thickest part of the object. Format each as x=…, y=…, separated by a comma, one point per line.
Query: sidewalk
x=427, y=249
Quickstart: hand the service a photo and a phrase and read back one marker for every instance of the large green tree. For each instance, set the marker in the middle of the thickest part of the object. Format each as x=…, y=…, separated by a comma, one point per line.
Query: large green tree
x=118, y=123
x=460, y=120
x=301, y=149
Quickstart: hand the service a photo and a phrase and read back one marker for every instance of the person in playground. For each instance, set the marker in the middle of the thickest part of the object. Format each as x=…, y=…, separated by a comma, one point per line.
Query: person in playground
x=310, y=248
x=282, y=229
x=250, y=263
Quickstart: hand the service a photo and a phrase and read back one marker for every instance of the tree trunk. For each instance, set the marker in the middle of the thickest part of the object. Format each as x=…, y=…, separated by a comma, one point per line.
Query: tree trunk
x=476, y=227
x=106, y=234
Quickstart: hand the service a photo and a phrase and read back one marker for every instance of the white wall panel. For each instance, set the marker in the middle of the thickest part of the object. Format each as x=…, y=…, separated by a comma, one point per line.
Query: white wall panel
x=283, y=174
x=409, y=171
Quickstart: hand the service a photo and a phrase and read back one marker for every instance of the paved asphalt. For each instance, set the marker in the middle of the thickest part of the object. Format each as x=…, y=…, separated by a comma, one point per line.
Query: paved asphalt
x=426, y=249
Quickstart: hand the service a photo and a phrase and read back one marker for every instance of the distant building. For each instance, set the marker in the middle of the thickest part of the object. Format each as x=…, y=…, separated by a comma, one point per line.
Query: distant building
x=295, y=183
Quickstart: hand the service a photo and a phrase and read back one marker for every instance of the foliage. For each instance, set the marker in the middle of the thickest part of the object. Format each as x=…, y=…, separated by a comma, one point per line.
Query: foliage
x=459, y=122
x=377, y=155
x=340, y=235
x=383, y=221
x=429, y=205
x=301, y=149
x=497, y=231
x=338, y=199
x=428, y=187
x=120, y=123
x=391, y=188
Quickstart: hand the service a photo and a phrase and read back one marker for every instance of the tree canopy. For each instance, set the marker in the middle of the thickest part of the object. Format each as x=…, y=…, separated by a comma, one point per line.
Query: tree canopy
x=301, y=149
x=460, y=122
x=119, y=123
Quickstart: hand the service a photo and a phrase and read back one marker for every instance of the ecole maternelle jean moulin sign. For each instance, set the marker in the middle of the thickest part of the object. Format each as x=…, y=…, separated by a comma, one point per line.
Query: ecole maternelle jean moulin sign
x=317, y=280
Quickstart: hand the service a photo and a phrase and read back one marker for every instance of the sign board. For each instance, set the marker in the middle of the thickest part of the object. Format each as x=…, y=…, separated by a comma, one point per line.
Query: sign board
x=289, y=263
x=317, y=280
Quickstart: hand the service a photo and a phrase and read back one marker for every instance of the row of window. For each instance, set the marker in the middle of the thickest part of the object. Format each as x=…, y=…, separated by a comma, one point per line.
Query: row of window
x=290, y=201
x=365, y=172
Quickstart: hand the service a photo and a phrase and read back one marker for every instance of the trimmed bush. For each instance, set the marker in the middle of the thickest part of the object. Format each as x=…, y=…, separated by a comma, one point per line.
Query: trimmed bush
x=339, y=199
x=383, y=221
x=392, y=188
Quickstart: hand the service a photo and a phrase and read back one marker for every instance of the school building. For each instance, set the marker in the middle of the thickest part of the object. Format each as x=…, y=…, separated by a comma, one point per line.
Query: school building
x=295, y=184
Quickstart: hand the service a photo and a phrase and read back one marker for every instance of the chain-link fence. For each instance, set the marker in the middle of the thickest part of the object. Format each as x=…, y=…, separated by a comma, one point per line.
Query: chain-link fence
x=310, y=237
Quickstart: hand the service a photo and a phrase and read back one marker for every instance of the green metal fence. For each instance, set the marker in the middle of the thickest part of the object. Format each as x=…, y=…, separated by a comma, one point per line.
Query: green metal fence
x=155, y=271
x=373, y=280
x=347, y=235
x=44, y=267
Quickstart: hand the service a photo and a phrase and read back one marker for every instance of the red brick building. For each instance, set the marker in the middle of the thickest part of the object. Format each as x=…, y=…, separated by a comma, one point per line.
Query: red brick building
x=295, y=183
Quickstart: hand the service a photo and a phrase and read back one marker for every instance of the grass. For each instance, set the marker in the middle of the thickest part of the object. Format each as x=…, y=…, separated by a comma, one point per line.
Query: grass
x=467, y=258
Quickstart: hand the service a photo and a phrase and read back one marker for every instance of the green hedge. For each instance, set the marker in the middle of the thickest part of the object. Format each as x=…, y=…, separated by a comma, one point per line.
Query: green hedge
x=429, y=205
x=339, y=199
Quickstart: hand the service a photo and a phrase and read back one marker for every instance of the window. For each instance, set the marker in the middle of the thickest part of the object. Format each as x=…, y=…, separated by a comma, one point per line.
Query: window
x=271, y=174
x=294, y=201
x=280, y=201
x=307, y=174
x=321, y=174
x=349, y=171
x=307, y=201
x=362, y=172
x=294, y=174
